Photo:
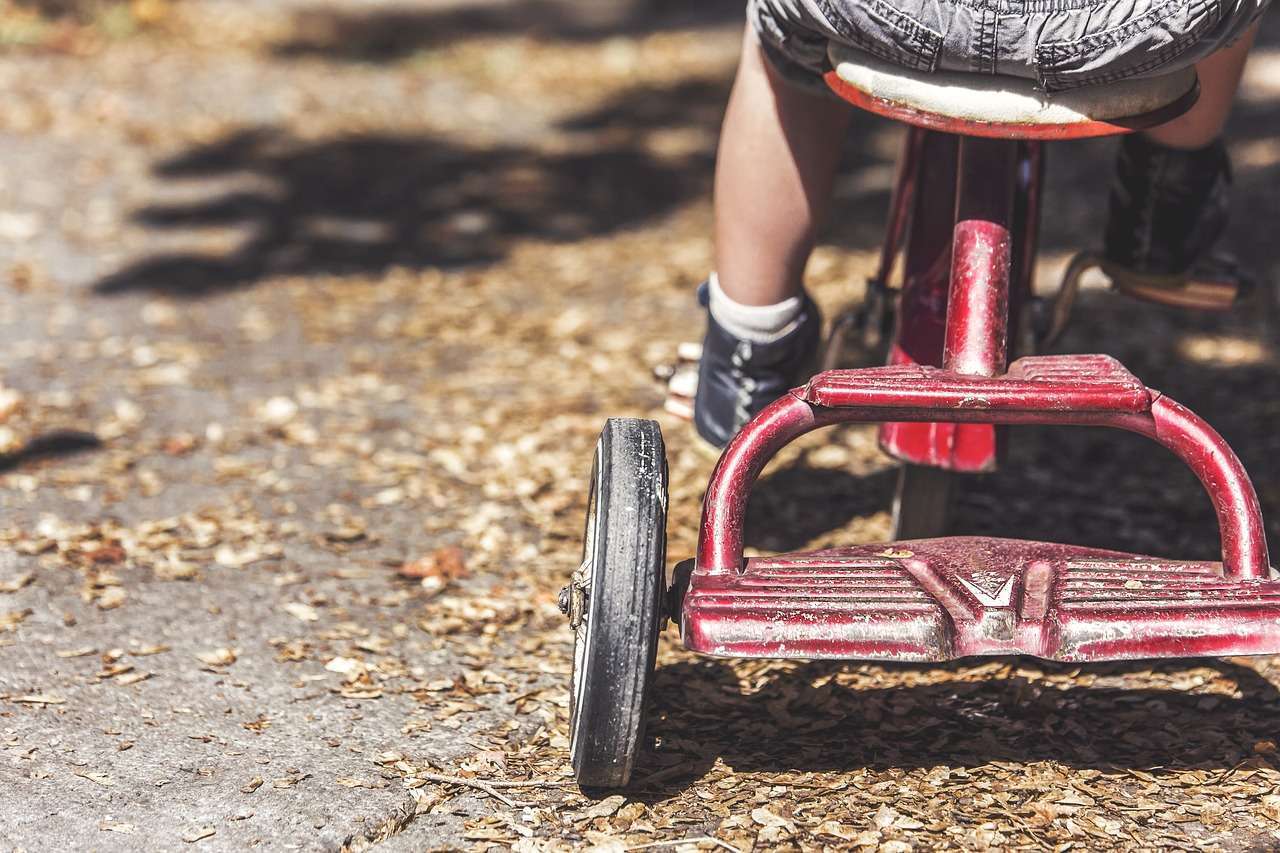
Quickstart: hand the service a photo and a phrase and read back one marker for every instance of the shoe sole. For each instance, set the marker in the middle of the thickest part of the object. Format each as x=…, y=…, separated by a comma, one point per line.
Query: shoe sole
x=1175, y=291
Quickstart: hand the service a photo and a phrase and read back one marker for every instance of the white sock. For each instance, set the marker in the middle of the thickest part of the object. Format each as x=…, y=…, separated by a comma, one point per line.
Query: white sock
x=759, y=324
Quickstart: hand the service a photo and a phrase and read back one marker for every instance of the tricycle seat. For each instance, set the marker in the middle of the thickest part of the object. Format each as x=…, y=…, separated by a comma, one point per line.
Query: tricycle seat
x=1006, y=107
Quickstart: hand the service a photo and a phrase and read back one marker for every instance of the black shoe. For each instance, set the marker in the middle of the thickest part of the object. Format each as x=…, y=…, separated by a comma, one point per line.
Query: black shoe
x=1168, y=209
x=737, y=378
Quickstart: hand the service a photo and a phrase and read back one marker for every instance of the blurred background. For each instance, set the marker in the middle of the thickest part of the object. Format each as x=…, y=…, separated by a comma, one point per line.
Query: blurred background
x=310, y=313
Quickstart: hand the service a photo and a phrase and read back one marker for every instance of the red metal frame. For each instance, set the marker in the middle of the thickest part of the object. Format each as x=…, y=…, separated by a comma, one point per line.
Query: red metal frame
x=976, y=339
x=932, y=394
x=901, y=201
x=940, y=599
x=926, y=218
x=965, y=214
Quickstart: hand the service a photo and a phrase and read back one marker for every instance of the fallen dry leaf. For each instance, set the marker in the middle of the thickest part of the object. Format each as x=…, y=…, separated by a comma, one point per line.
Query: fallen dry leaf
x=278, y=411
x=99, y=778
x=218, y=657
x=133, y=678
x=171, y=568
x=303, y=612
x=111, y=598
x=10, y=402
x=346, y=666
x=437, y=570
x=10, y=620
x=198, y=833
x=16, y=582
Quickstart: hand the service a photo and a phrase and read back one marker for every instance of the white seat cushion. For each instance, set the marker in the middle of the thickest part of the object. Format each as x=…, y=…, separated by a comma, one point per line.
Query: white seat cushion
x=990, y=99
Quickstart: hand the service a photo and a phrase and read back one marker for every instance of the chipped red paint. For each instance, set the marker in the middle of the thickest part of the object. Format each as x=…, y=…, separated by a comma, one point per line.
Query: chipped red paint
x=939, y=599
x=977, y=327
x=1017, y=130
x=965, y=447
x=1048, y=383
x=1205, y=452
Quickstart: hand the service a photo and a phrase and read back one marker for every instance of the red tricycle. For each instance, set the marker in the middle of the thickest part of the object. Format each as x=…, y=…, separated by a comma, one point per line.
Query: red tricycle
x=964, y=218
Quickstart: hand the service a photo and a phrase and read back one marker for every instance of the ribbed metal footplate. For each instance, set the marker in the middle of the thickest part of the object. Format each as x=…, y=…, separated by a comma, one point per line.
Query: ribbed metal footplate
x=938, y=599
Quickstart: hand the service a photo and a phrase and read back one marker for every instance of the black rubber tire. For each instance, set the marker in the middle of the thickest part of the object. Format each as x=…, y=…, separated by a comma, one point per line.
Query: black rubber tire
x=623, y=576
x=922, y=503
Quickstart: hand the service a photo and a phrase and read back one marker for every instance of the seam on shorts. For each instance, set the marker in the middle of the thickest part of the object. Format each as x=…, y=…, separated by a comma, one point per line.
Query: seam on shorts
x=1069, y=48
x=985, y=43
x=1028, y=7
x=1057, y=82
x=1051, y=54
x=923, y=44
x=995, y=42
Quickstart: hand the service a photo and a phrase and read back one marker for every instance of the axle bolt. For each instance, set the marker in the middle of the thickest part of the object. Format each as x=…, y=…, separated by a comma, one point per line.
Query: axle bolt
x=573, y=602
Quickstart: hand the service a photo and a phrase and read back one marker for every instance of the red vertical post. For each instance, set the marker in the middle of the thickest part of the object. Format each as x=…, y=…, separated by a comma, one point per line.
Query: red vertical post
x=977, y=333
x=923, y=304
x=905, y=182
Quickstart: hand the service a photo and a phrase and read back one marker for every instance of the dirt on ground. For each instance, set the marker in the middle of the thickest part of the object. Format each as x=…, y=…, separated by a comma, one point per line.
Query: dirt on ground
x=311, y=315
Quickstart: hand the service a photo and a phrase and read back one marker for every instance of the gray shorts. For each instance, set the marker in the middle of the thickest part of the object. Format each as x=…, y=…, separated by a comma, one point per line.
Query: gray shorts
x=1063, y=44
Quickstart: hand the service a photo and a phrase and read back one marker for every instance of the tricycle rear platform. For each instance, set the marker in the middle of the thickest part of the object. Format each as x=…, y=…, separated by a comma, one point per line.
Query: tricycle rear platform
x=939, y=599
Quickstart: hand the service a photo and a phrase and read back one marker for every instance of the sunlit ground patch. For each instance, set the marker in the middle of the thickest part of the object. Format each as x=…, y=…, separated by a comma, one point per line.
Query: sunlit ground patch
x=1224, y=350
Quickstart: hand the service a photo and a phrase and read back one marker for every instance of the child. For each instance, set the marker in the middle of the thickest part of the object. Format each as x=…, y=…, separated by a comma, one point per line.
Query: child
x=783, y=130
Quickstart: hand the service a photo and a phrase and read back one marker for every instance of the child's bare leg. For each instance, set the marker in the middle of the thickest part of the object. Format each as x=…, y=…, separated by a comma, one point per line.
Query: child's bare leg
x=1219, y=79
x=778, y=154
x=779, y=150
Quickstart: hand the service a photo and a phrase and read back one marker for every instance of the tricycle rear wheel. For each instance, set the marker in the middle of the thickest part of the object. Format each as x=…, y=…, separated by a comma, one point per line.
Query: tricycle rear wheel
x=615, y=601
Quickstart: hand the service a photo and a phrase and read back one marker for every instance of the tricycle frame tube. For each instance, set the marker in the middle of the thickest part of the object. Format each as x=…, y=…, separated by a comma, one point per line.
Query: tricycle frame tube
x=905, y=182
x=922, y=308
x=1027, y=207
x=1191, y=439
x=942, y=191
x=977, y=328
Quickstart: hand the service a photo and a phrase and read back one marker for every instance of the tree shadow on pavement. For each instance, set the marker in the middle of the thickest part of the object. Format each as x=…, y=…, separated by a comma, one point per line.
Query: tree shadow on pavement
x=63, y=8
x=55, y=444
x=364, y=203
x=388, y=35
x=700, y=713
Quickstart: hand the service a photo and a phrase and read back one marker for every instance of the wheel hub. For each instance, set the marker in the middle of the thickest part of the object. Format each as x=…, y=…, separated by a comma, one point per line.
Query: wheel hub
x=573, y=598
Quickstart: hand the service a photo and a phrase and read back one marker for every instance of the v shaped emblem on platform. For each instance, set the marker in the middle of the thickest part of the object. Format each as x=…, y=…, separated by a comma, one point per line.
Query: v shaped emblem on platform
x=989, y=589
